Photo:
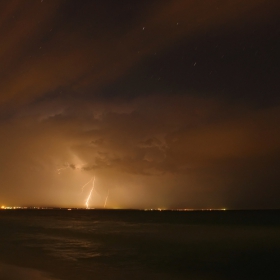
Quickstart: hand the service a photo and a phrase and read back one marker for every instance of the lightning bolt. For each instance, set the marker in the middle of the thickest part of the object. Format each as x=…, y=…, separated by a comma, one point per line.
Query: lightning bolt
x=89, y=196
x=62, y=168
x=87, y=183
x=106, y=199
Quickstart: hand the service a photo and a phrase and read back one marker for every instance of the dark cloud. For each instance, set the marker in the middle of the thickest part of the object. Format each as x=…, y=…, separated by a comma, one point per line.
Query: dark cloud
x=167, y=104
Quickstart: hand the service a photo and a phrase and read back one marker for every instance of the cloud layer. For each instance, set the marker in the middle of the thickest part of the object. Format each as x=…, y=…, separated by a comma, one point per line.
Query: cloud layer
x=159, y=101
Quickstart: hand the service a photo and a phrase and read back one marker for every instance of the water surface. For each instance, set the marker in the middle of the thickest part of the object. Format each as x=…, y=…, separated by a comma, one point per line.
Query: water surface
x=118, y=244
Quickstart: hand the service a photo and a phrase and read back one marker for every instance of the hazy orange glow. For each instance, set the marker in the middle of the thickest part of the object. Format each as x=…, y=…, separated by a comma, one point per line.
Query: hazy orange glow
x=171, y=104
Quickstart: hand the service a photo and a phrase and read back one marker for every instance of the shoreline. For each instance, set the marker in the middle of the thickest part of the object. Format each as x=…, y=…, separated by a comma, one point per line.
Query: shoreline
x=12, y=272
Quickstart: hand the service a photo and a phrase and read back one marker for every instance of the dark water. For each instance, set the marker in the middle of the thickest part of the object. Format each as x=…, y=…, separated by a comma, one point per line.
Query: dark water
x=92, y=244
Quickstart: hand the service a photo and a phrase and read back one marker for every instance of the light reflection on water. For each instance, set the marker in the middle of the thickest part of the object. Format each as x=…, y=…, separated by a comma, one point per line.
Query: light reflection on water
x=80, y=240
x=64, y=248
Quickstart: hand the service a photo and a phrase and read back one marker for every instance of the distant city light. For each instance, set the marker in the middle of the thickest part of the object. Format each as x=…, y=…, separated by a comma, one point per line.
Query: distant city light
x=3, y=207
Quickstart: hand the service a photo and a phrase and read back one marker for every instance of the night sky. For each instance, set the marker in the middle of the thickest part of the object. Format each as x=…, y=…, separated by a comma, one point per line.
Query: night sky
x=167, y=104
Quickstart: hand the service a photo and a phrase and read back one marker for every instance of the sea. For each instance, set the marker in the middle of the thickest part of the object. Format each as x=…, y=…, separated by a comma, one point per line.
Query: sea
x=134, y=244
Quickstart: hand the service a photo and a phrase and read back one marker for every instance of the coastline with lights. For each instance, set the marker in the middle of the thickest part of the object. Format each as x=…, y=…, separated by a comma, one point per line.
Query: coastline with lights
x=3, y=207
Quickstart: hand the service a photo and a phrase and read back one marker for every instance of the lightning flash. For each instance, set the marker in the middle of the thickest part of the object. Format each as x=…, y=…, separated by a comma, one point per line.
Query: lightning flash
x=87, y=183
x=89, y=196
x=106, y=199
x=62, y=168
